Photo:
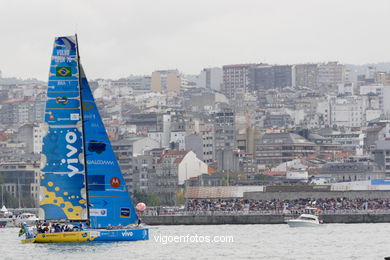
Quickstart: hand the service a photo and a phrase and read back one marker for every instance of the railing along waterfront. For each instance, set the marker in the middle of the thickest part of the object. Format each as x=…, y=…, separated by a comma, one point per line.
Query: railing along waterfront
x=267, y=212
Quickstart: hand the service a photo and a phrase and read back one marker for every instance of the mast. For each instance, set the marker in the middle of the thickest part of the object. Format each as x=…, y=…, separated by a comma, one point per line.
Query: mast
x=82, y=126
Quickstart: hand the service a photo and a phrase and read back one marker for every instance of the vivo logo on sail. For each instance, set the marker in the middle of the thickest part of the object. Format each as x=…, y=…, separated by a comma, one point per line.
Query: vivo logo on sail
x=71, y=139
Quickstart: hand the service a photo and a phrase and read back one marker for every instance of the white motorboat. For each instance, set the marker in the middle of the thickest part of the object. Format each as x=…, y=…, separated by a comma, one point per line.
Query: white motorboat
x=304, y=220
x=28, y=218
x=5, y=217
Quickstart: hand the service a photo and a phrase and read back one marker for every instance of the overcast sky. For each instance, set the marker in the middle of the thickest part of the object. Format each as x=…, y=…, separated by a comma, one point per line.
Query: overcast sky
x=118, y=37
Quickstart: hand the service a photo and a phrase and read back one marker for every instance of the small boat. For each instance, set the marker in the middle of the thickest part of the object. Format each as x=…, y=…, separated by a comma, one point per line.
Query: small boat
x=304, y=220
x=28, y=218
x=3, y=223
x=6, y=219
x=81, y=181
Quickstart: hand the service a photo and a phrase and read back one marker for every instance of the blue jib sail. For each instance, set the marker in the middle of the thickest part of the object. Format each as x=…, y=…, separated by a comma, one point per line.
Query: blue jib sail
x=109, y=200
x=63, y=193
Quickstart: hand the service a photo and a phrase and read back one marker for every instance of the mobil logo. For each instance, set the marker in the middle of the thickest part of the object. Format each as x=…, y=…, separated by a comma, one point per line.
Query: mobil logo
x=115, y=182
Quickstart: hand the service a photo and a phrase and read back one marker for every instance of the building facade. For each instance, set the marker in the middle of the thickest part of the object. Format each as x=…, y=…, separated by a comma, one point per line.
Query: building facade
x=236, y=82
x=22, y=181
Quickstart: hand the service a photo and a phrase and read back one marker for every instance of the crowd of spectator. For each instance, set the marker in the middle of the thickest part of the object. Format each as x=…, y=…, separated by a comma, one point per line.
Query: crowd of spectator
x=326, y=204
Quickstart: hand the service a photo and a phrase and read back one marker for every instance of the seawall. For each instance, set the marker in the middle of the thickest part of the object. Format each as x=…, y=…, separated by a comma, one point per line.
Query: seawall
x=285, y=195
x=260, y=219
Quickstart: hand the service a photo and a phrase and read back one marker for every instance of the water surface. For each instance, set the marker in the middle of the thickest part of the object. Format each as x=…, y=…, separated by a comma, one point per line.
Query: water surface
x=332, y=241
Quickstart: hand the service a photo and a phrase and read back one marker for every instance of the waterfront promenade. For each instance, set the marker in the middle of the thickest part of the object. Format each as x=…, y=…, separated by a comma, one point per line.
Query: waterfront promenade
x=273, y=211
x=269, y=217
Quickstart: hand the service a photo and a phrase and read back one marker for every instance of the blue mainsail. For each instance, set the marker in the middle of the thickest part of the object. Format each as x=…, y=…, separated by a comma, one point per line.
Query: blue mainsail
x=109, y=200
x=63, y=193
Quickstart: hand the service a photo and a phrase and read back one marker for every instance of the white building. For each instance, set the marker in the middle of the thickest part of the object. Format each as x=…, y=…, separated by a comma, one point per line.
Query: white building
x=348, y=111
x=151, y=99
x=297, y=175
x=331, y=73
x=386, y=98
x=177, y=139
x=173, y=169
x=371, y=89
x=381, y=92
x=31, y=135
x=345, y=89
x=353, y=141
x=142, y=144
x=323, y=108
x=190, y=166
x=210, y=78
x=350, y=76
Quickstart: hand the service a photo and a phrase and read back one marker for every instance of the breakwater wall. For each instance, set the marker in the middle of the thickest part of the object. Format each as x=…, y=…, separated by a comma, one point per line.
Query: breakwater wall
x=260, y=219
x=285, y=195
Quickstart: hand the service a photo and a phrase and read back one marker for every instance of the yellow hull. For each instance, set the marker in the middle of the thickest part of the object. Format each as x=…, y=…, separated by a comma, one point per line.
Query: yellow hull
x=64, y=237
x=27, y=241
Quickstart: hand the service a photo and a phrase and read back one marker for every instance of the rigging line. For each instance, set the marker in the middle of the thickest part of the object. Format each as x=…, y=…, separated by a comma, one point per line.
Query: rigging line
x=82, y=123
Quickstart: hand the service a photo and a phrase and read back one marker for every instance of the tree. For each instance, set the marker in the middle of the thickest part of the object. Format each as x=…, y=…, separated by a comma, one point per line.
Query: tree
x=150, y=199
x=154, y=200
x=180, y=197
x=262, y=177
x=238, y=175
x=139, y=196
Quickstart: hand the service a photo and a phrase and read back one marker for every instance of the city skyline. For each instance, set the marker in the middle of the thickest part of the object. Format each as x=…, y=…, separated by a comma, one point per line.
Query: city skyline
x=138, y=38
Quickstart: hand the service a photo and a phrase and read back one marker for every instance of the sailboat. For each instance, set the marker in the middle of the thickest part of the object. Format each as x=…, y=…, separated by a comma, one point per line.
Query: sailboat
x=81, y=181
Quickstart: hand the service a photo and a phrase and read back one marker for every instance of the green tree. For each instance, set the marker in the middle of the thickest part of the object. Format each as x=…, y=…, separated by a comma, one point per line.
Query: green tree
x=139, y=196
x=238, y=176
x=154, y=200
x=262, y=177
x=150, y=199
x=180, y=197
x=224, y=181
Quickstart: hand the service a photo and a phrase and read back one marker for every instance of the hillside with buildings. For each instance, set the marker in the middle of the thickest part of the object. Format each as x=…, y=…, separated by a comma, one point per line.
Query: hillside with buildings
x=240, y=125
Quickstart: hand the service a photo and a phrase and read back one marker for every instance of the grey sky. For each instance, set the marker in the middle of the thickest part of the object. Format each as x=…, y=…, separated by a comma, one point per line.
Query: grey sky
x=118, y=38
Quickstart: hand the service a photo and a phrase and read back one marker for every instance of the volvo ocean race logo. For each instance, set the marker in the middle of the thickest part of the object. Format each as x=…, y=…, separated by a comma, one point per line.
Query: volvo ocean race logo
x=71, y=138
x=62, y=100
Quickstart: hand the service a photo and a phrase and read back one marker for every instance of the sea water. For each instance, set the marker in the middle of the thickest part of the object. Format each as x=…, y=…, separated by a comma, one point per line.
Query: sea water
x=328, y=241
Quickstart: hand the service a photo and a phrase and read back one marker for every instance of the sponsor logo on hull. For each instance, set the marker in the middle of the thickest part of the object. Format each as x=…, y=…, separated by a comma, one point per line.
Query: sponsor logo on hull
x=127, y=234
x=98, y=212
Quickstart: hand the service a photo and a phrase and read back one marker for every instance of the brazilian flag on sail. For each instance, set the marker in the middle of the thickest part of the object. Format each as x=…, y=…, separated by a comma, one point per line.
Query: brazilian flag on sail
x=63, y=71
